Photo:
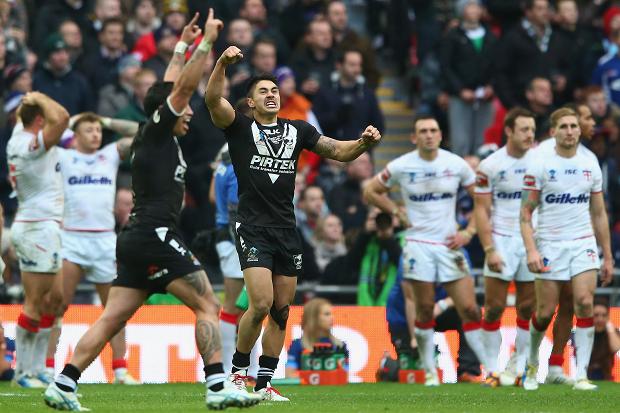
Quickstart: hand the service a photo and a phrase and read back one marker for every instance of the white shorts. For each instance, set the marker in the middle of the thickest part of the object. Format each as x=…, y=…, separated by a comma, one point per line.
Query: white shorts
x=512, y=251
x=37, y=245
x=229, y=259
x=95, y=252
x=432, y=263
x=568, y=258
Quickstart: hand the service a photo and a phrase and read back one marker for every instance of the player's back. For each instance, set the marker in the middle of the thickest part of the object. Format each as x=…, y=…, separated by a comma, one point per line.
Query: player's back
x=35, y=176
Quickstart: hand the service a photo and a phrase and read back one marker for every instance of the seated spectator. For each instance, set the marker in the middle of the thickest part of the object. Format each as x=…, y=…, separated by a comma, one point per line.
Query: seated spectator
x=165, y=39
x=317, y=322
x=346, y=200
x=143, y=81
x=540, y=102
x=58, y=80
x=314, y=62
x=7, y=356
x=116, y=96
x=606, y=343
x=376, y=256
x=467, y=57
x=143, y=20
x=328, y=241
x=310, y=208
x=345, y=106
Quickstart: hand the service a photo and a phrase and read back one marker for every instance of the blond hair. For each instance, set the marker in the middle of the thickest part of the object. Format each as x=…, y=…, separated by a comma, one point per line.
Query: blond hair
x=559, y=114
x=310, y=323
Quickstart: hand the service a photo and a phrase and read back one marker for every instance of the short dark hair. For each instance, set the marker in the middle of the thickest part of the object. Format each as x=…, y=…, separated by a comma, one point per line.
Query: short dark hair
x=156, y=96
x=242, y=106
x=602, y=301
x=262, y=40
x=340, y=57
x=89, y=117
x=383, y=220
x=302, y=194
x=513, y=114
x=112, y=20
x=255, y=79
x=422, y=117
x=28, y=113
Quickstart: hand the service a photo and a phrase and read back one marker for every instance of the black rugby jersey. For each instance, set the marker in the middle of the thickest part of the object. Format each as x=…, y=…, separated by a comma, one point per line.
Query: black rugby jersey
x=264, y=158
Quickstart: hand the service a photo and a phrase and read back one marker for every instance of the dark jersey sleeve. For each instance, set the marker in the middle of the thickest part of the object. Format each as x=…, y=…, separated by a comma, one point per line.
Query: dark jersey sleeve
x=238, y=125
x=161, y=123
x=308, y=134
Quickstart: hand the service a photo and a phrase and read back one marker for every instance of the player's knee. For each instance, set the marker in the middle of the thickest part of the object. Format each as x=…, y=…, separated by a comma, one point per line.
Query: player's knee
x=525, y=310
x=493, y=312
x=424, y=313
x=280, y=316
x=584, y=305
x=259, y=311
x=112, y=322
x=471, y=312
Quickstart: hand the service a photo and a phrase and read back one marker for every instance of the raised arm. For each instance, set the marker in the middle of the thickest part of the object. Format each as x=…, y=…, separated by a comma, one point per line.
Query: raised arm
x=193, y=70
x=346, y=151
x=222, y=112
x=189, y=35
x=530, y=199
x=600, y=224
x=56, y=117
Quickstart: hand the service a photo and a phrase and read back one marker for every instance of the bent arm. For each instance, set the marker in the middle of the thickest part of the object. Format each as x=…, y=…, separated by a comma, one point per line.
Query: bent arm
x=56, y=119
x=343, y=151
x=222, y=112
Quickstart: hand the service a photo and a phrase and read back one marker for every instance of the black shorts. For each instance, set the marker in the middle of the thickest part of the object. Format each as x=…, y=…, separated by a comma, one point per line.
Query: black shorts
x=278, y=249
x=149, y=259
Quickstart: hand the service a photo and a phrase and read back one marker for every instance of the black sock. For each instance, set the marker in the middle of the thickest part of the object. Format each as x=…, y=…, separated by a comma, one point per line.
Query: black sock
x=240, y=361
x=214, y=374
x=266, y=367
x=68, y=378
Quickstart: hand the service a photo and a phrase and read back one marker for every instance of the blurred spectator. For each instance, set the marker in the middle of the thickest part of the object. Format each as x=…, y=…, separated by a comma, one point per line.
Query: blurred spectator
x=606, y=114
x=116, y=96
x=345, y=105
x=433, y=100
x=122, y=207
x=296, y=17
x=240, y=35
x=72, y=35
x=331, y=174
x=606, y=343
x=314, y=61
x=310, y=208
x=165, y=38
x=100, y=65
x=103, y=10
x=3, y=57
x=346, y=200
x=17, y=78
x=467, y=57
x=607, y=73
x=505, y=13
x=610, y=167
x=255, y=12
x=328, y=241
x=143, y=81
x=7, y=355
x=532, y=49
x=174, y=17
x=375, y=255
x=540, y=102
x=347, y=38
x=59, y=81
x=262, y=60
x=143, y=21
x=51, y=14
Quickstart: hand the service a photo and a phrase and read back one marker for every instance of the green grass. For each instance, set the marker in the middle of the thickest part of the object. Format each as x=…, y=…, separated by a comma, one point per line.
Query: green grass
x=324, y=399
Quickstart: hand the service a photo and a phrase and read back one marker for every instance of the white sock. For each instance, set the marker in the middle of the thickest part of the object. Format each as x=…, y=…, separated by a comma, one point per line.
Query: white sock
x=584, y=339
x=228, y=331
x=492, y=342
x=473, y=335
x=522, y=347
x=24, y=348
x=40, y=350
x=555, y=371
x=426, y=346
x=536, y=337
x=120, y=372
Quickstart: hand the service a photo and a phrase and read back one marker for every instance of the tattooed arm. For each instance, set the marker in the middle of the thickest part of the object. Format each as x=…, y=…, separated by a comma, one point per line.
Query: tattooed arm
x=530, y=199
x=190, y=33
x=346, y=151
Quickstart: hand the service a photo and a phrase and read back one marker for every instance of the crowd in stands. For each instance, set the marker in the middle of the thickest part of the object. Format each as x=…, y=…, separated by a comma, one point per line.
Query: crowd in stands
x=466, y=62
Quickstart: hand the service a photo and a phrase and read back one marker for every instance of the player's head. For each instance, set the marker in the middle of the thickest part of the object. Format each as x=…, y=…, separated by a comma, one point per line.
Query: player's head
x=329, y=229
x=156, y=97
x=87, y=132
x=317, y=319
x=263, y=94
x=565, y=128
x=312, y=201
x=31, y=116
x=537, y=11
x=426, y=133
x=586, y=120
x=519, y=127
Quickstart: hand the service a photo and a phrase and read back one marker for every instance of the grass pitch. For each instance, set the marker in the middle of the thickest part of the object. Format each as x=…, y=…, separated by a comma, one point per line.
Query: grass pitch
x=327, y=399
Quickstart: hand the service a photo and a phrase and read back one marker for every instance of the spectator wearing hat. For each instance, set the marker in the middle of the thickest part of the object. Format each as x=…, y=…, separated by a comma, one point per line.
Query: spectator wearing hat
x=116, y=96
x=58, y=80
x=174, y=18
x=100, y=66
x=165, y=39
x=143, y=21
x=467, y=55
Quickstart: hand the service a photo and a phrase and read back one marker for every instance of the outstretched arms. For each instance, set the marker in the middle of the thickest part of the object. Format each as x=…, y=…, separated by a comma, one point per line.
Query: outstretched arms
x=346, y=151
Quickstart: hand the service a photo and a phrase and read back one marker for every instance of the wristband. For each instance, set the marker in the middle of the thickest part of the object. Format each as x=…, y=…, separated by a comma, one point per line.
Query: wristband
x=181, y=47
x=204, y=46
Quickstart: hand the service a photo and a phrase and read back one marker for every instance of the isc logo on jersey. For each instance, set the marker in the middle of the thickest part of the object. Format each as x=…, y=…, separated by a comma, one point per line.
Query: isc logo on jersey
x=567, y=199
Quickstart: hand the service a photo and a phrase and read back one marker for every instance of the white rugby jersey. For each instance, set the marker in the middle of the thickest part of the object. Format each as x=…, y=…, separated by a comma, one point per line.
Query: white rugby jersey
x=35, y=177
x=565, y=186
x=429, y=189
x=548, y=146
x=90, y=187
x=502, y=176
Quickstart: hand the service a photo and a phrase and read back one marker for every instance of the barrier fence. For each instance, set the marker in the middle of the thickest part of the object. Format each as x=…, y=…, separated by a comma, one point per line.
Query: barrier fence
x=161, y=348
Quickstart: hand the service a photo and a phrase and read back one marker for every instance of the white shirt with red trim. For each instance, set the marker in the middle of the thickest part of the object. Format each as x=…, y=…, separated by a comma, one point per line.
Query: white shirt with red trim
x=501, y=176
x=565, y=186
x=90, y=188
x=35, y=176
x=429, y=189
